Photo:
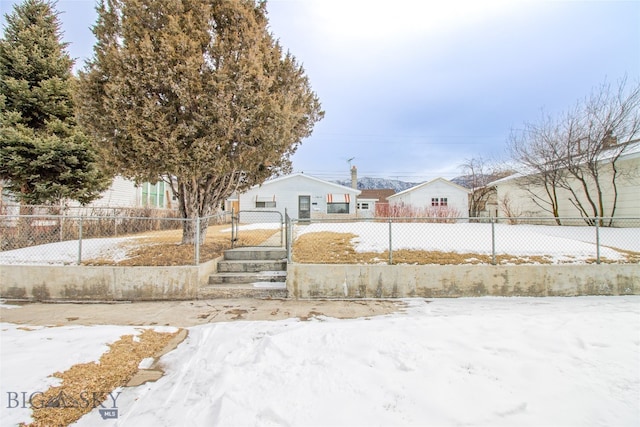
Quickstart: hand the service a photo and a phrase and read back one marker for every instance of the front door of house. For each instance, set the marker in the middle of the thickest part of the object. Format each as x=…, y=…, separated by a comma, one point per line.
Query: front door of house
x=304, y=207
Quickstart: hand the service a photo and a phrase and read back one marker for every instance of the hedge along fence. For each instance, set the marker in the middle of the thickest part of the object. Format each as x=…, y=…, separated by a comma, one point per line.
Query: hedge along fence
x=404, y=212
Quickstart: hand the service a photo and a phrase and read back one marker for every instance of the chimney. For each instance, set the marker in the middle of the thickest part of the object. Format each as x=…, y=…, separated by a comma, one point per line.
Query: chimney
x=354, y=177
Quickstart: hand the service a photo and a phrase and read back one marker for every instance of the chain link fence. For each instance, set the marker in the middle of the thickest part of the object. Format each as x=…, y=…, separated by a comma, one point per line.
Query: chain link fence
x=156, y=238
x=258, y=228
x=498, y=241
x=109, y=236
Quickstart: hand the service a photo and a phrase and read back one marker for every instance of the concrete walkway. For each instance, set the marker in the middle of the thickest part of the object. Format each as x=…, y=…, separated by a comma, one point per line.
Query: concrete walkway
x=190, y=313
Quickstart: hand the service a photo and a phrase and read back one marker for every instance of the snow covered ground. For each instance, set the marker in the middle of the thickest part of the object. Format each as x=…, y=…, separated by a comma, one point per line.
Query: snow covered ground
x=65, y=253
x=447, y=362
x=561, y=244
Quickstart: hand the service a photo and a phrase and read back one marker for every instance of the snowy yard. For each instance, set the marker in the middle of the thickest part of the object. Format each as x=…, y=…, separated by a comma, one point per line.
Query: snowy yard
x=447, y=362
x=113, y=249
x=558, y=244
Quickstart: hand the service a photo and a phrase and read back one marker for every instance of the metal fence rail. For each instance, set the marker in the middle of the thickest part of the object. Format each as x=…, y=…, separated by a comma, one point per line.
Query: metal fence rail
x=465, y=241
x=109, y=239
x=156, y=240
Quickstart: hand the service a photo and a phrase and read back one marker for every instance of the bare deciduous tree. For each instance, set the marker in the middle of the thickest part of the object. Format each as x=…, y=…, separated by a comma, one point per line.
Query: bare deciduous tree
x=479, y=172
x=578, y=151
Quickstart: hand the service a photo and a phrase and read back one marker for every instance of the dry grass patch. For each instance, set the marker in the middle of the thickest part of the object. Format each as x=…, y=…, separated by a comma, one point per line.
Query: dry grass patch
x=164, y=248
x=337, y=248
x=631, y=256
x=326, y=247
x=85, y=386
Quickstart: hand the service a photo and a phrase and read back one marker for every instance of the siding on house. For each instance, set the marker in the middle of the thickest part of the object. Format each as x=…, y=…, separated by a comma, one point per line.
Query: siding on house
x=373, y=202
x=438, y=193
x=124, y=193
x=285, y=193
x=513, y=200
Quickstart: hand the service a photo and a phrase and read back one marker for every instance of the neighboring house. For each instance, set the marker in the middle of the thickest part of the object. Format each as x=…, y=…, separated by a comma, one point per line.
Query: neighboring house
x=303, y=197
x=515, y=201
x=490, y=208
x=124, y=193
x=7, y=202
x=372, y=203
x=437, y=195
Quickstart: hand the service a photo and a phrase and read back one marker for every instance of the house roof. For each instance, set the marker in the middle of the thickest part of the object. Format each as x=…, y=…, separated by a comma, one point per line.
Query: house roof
x=425, y=184
x=379, y=194
x=337, y=187
x=631, y=150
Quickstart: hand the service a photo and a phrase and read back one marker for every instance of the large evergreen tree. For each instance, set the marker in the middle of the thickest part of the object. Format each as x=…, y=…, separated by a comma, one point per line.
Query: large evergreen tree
x=195, y=92
x=44, y=158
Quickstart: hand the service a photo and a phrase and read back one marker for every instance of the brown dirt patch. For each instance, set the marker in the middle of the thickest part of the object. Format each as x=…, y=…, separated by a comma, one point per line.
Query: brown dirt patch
x=87, y=384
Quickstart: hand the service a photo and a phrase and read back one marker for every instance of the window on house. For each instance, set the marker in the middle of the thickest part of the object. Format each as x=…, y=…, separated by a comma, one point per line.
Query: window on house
x=338, y=203
x=265, y=201
x=442, y=201
x=363, y=206
x=266, y=204
x=337, y=208
x=153, y=194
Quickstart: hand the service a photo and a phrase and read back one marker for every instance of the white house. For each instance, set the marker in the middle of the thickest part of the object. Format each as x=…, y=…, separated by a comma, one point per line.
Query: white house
x=124, y=193
x=434, y=196
x=373, y=202
x=515, y=200
x=303, y=196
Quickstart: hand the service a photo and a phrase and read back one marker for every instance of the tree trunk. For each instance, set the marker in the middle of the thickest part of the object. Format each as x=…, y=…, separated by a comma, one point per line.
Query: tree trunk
x=192, y=227
x=195, y=205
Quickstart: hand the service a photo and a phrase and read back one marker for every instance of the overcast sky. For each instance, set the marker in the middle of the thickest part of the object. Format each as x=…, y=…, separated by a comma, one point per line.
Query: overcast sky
x=412, y=88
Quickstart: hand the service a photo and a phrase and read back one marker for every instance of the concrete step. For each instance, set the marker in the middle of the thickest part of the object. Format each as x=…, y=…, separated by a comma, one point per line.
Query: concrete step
x=245, y=277
x=255, y=253
x=264, y=290
x=226, y=266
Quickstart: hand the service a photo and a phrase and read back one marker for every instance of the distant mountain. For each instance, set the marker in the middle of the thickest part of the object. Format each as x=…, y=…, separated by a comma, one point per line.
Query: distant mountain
x=366, y=183
x=465, y=181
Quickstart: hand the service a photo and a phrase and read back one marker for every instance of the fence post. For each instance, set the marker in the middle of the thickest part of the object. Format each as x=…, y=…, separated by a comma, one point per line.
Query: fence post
x=597, y=240
x=286, y=234
x=282, y=232
x=288, y=225
x=80, y=241
x=493, y=241
x=233, y=229
x=197, y=242
x=390, y=243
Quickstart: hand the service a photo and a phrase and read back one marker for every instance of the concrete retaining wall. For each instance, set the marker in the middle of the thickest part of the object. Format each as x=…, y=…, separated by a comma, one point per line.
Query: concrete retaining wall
x=430, y=281
x=104, y=283
x=42, y=283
